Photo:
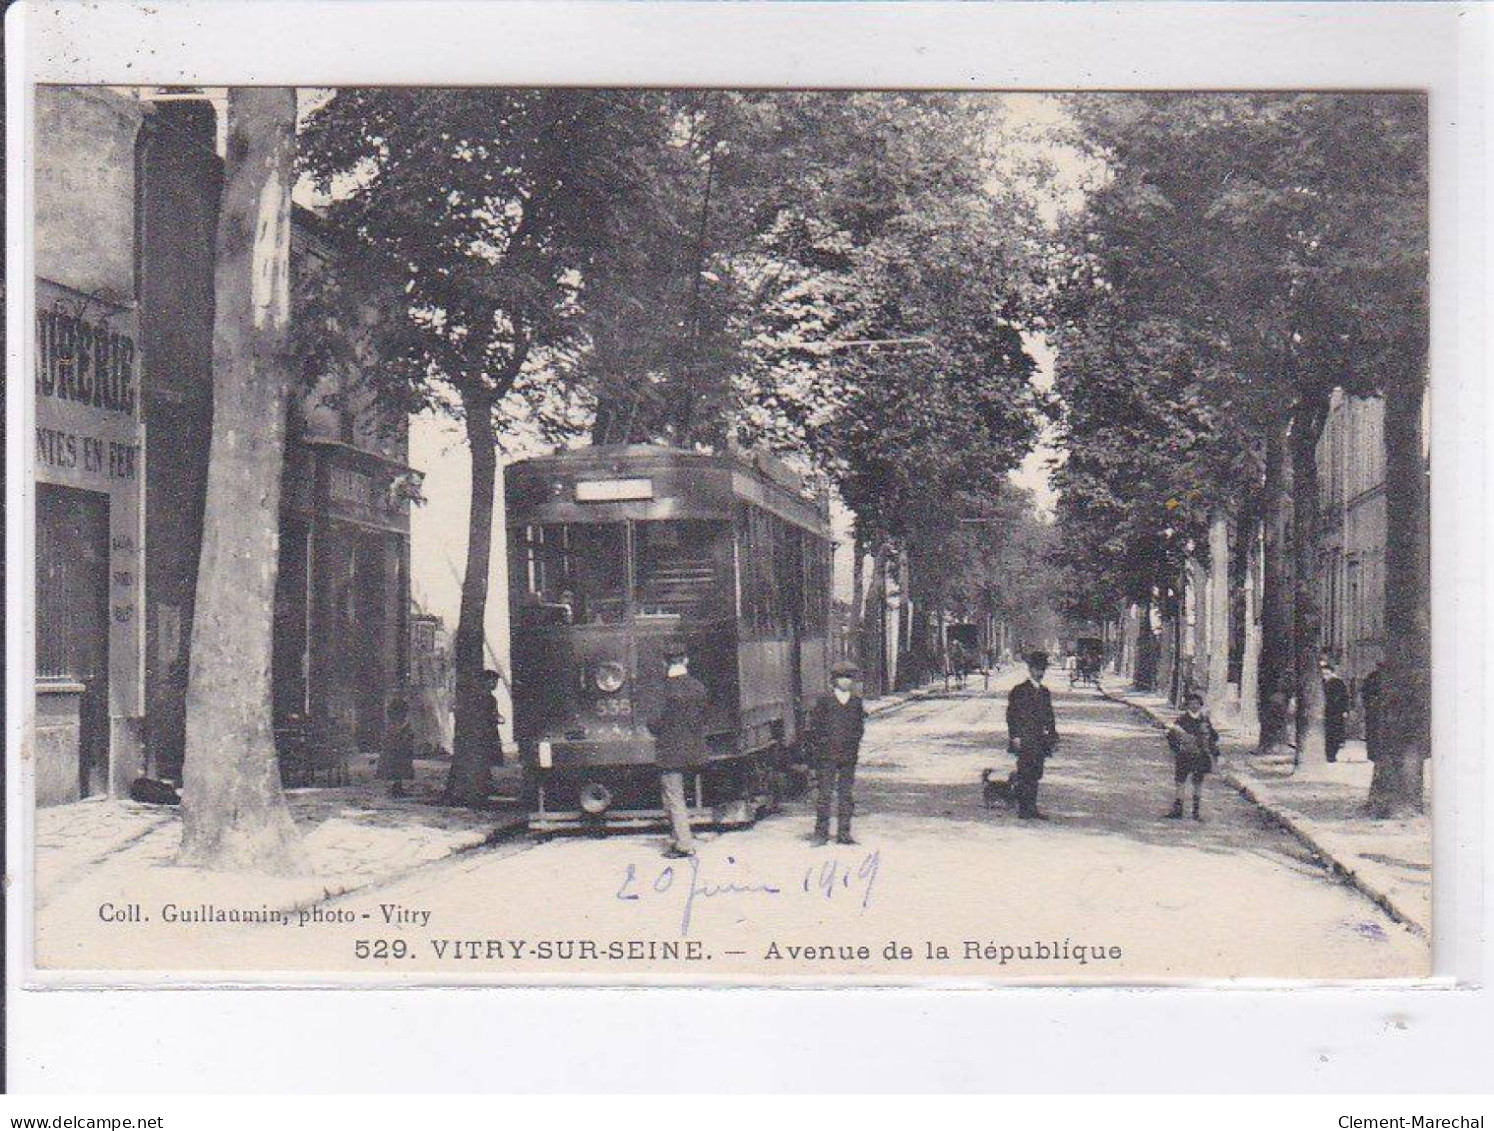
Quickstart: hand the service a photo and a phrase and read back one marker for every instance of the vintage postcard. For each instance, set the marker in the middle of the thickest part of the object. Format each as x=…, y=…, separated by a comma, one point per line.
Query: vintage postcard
x=628, y=535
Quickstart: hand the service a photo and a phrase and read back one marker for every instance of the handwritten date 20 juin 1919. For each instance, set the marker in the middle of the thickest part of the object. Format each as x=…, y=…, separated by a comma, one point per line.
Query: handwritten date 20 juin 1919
x=692, y=880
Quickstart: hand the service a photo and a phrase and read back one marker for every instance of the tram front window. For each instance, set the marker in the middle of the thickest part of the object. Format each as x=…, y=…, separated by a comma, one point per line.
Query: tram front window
x=682, y=568
x=570, y=573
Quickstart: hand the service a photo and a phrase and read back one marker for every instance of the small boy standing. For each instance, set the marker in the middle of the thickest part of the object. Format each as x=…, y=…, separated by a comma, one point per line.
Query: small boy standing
x=1195, y=748
x=836, y=726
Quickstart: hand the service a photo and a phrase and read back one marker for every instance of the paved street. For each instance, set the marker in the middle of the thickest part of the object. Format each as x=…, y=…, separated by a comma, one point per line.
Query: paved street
x=1107, y=889
x=1233, y=896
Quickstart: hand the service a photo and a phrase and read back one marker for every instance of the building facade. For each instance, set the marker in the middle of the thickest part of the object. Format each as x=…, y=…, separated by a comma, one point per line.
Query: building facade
x=1351, y=556
x=127, y=198
x=89, y=455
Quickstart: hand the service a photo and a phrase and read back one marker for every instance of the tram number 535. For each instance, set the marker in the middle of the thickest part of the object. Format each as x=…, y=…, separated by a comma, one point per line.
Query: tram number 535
x=614, y=707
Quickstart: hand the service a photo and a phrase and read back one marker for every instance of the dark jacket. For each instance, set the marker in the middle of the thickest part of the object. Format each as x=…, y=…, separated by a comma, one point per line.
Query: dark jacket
x=1029, y=718
x=678, y=724
x=835, y=731
x=397, y=753
x=1194, y=743
x=1374, y=716
x=1335, y=710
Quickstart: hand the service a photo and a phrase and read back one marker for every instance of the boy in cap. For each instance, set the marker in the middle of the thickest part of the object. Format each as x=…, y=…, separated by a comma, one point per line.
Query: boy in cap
x=1032, y=733
x=678, y=725
x=836, y=725
x=1195, y=746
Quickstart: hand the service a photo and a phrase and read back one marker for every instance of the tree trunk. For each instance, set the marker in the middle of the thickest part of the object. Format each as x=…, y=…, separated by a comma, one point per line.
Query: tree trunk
x=858, y=593
x=1307, y=614
x=468, y=781
x=874, y=626
x=1146, y=649
x=1130, y=642
x=1167, y=652
x=1197, y=651
x=1250, y=664
x=234, y=814
x=1396, y=787
x=1277, y=666
x=1218, y=633
x=905, y=609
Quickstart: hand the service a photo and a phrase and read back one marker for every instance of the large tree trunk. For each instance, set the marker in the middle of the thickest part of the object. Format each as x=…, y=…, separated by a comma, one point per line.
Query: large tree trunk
x=1275, y=676
x=1218, y=613
x=918, y=659
x=874, y=627
x=1250, y=663
x=1307, y=614
x=1146, y=649
x=473, y=743
x=234, y=814
x=1396, y=787
x=858, y=592
x=1167, y=664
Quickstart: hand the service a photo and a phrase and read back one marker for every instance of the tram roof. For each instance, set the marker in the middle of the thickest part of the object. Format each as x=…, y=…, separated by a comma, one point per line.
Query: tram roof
x=755, y=476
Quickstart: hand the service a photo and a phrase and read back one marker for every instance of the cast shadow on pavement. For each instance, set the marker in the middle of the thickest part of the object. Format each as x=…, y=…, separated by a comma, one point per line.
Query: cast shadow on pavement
x=1110, y=777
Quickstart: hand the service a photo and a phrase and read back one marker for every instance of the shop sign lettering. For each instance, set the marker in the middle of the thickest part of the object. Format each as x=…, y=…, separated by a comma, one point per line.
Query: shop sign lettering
x=86, y=362
x=89, y=454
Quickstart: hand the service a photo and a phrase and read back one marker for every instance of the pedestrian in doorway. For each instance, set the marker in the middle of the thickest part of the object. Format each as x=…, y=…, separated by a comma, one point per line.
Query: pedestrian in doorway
x=1374, y=718
x=1032, y=733
x=836, y=724
x=1195, y=749
x=490, y=719
x=1335, y=708
x=678, y=725
x=396, y=763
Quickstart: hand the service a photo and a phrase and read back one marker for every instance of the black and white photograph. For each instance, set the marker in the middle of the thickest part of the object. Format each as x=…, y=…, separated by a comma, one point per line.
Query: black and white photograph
x=726, y=534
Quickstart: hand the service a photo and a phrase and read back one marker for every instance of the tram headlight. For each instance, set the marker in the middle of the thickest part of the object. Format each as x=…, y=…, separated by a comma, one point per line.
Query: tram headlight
x=595, y=798
x=609, y=677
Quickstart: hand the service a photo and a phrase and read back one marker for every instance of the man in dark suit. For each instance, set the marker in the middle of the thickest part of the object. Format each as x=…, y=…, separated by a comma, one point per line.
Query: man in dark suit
x=1031, y=734
x=1336, y=705
x=678, y=725
x=836, y=724
x=1374, y=718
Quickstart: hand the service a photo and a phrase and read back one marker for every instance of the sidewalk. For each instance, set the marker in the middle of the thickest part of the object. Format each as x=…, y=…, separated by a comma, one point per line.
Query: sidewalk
x=931, y=690
x=355, y=836
x=885, y=703
x=1323, y=806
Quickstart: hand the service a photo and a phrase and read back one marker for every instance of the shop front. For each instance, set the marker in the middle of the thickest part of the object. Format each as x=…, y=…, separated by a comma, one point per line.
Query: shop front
x=88, y=454
x=342, y=606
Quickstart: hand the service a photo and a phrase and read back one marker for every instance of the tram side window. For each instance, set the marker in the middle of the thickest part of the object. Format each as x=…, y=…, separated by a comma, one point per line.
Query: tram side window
x=745, y=596
x=768, y=550
x=682, y=568
x=784, y=576
x=760, y=595
x=816, y=586
x=791, y=576
x=569, y=573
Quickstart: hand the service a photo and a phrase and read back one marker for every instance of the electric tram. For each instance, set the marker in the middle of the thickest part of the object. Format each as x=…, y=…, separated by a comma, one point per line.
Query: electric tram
x=612, y=552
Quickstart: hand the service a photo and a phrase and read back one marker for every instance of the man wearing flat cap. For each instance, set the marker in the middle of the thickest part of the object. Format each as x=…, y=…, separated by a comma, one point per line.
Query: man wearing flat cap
x=678, y=725
x=836, y=725
x=1031, y=734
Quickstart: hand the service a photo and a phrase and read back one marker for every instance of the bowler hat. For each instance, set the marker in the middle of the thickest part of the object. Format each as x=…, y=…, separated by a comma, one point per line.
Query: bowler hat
x=845, y=668
x=1037, y=659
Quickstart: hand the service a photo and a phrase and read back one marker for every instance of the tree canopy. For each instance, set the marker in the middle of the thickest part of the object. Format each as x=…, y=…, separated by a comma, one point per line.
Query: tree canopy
x=1246, y=254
